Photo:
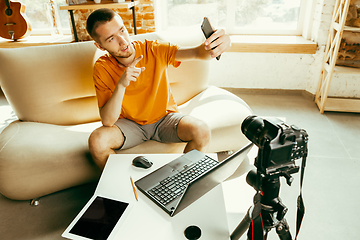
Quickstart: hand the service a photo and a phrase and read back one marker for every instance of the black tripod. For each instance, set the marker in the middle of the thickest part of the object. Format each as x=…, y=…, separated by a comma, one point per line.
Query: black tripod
x=267, y=212
x=279, y=146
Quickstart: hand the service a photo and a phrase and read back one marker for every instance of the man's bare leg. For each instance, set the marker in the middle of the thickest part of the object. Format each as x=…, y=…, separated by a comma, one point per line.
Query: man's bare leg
x=103, y=142
x=195, y=132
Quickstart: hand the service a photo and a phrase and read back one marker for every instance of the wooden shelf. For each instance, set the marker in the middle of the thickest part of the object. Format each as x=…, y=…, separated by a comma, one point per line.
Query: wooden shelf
x=337, y=27
x=346, y=70
x=103, y=4
x=34, y=40
x=342, y=69
x=342, y=105
x=272, y=44
x=351, y=29
x=348, y=63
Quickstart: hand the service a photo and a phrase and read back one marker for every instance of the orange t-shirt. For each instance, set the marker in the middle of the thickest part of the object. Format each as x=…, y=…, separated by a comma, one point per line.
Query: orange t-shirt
x=149, y=98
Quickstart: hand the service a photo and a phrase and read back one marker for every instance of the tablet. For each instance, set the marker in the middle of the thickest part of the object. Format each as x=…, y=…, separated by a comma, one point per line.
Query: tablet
x=98, y=219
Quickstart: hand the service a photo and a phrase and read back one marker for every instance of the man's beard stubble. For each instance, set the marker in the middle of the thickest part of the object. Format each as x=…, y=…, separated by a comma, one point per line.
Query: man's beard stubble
x=127, y=54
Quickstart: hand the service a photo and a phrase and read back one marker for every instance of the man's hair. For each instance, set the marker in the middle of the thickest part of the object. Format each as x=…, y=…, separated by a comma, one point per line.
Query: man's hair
x=99, y=16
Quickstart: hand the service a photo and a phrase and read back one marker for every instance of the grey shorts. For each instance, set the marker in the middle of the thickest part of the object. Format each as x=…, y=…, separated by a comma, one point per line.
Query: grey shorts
x=164, y=130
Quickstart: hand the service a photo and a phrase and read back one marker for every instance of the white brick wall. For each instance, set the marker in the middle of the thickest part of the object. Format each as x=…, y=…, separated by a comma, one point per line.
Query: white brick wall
x=322, y=19
x=285, y=71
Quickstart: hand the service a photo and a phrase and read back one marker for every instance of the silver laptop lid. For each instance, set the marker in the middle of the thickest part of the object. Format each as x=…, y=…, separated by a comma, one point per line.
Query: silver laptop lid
x=200, y=186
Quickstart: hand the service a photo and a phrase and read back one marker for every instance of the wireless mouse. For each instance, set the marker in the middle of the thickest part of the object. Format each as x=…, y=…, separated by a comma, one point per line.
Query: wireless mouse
x=142, y=162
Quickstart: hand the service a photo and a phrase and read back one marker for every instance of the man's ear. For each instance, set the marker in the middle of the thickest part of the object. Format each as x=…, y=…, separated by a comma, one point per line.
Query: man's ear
x=99, y=46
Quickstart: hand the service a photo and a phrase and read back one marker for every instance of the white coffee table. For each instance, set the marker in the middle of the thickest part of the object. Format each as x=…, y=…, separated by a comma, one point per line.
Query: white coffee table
x=148, y=221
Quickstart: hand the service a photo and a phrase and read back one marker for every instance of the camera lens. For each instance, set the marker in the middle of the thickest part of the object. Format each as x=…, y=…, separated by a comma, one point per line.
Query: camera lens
x=252, y=127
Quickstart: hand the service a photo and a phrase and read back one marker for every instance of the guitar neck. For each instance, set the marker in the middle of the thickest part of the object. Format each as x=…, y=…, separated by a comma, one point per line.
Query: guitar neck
x=7, y=3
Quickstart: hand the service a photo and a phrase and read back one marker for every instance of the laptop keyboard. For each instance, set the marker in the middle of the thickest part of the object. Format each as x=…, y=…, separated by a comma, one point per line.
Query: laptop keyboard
x=172, y=187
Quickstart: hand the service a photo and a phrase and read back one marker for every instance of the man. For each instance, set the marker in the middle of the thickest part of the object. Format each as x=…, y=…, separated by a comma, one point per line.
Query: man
x=134, y=97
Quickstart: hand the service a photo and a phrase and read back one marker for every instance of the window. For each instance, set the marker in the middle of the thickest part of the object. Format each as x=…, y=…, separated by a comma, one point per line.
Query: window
x=278, y=17
x=36, y=12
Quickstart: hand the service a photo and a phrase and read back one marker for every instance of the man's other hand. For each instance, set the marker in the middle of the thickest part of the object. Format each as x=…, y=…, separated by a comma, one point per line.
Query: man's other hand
x=131, y=73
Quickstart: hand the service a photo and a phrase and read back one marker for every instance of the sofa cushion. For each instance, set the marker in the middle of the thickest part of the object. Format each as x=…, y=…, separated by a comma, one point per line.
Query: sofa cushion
x=50, y=84
x=37, y=159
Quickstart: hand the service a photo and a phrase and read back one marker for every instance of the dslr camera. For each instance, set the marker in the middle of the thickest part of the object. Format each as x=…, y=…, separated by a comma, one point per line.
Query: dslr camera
x=279, y=146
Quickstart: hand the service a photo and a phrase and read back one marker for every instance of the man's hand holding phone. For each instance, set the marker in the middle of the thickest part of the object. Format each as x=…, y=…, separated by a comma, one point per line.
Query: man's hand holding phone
x=217, y=41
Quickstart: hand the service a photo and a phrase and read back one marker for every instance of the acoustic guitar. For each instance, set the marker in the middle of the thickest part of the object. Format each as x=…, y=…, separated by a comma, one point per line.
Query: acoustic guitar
x=13, y=22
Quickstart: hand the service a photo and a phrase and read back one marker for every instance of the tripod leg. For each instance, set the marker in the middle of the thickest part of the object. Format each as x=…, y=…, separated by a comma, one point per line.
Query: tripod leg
x=282, y=230
x=242, y=227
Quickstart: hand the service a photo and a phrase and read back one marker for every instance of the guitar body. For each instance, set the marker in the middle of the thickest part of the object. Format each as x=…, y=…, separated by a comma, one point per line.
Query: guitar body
x=13, y=22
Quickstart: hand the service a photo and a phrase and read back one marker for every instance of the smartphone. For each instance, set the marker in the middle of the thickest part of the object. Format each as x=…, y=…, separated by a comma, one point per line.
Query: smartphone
x=208, y=31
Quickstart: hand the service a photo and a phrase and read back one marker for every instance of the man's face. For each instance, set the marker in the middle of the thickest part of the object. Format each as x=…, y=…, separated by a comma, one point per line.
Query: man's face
x=114, y=38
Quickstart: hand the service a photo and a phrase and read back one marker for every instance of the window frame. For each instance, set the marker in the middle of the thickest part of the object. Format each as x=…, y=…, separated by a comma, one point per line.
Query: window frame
x=46, y=31
x=304, y=24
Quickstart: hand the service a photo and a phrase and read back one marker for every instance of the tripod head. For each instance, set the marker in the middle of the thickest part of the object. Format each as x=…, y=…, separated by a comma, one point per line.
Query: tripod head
x=270, y=200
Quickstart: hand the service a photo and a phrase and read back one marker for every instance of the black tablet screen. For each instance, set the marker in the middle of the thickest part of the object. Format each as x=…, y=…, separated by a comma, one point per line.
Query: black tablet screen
x=99, y=219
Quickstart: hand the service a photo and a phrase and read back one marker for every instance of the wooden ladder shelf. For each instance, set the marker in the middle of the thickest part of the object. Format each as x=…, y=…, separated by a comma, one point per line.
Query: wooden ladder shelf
x=329, y=67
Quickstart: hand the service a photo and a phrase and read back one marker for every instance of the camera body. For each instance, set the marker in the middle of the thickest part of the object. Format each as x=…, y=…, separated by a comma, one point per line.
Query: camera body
x=279, y=145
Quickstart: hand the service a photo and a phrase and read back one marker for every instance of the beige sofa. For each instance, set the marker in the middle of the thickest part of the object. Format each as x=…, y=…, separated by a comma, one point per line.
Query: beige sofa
x=51, y=91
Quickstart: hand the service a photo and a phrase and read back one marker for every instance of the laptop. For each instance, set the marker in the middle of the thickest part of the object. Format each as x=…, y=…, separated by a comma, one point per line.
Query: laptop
x=182, y=181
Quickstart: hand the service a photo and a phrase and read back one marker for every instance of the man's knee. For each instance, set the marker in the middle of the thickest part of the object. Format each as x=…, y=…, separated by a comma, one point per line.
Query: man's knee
x=104, y=138
x=202, y=131
x=197, y=130
x=94, y=138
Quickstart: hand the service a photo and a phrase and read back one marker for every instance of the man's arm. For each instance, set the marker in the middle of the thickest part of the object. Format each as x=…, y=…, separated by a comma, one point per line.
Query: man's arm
x=110, y=112
x=204, y=51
